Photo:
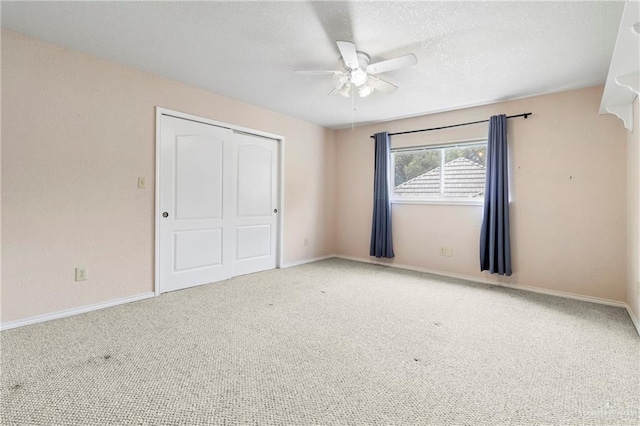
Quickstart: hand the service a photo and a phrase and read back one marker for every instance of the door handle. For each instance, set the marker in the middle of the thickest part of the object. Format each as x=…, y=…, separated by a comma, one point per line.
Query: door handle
x=275, y=210
x=165, y=214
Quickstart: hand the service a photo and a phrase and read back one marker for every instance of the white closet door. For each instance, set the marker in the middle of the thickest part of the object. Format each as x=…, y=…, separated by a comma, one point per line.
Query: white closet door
x=196, y=236
x=255, y=189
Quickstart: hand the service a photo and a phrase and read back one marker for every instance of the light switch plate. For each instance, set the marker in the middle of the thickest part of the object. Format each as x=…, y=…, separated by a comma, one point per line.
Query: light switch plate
x=81, y=273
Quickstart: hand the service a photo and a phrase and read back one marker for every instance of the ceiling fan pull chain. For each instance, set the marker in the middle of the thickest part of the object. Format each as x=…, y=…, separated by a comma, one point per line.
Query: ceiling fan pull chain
x=353, y=106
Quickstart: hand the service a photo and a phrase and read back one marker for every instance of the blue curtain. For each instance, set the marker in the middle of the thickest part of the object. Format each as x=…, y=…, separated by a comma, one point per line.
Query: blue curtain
x=495, y=244
x=381, y=241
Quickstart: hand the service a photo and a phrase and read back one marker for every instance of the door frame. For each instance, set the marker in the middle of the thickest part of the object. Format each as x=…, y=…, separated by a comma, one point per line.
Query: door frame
x=160, y=111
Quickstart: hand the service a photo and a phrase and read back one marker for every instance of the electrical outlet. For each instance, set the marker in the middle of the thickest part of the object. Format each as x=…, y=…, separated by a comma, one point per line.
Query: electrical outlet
x=142, y=182
x=306, y=242
x=446, y=251
x=81, y=273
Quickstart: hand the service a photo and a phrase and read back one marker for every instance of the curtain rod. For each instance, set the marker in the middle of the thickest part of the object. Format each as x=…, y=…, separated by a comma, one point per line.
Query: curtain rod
x=525, y=115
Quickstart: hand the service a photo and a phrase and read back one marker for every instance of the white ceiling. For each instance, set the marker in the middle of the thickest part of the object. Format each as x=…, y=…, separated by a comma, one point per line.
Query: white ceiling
x=469, y=53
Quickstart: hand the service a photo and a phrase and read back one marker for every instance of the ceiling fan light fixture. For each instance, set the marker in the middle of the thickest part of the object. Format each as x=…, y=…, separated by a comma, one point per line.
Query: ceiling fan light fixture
x=345, y=90
x=339, y=80
x=358, y=77
x=365, y=91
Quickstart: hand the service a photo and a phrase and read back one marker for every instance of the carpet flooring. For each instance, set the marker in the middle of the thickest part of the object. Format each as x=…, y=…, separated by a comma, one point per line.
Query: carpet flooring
x=334, y=342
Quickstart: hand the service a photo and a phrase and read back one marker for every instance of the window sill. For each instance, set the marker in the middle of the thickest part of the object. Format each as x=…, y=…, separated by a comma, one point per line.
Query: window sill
x=438, y=202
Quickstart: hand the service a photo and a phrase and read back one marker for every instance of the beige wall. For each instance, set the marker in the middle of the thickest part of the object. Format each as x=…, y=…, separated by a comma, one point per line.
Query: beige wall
x=77, y=131
x=633, y=213
x=568, y=212
x=0, y=187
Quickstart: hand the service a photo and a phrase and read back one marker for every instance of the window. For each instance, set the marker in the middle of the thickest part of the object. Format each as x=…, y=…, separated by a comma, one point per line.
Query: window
x=443, y=173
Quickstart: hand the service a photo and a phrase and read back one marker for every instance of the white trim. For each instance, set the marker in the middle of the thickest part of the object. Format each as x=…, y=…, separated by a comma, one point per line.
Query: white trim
x=631, y=82
x=280, y=247
x=600, y=301
x=74, y=311
x=624, y=112
x=591, y=299
x=308, y=260
x=634, y=319
x=156, y=262
x=185, y=116
x=462, y=143
x=160, y=111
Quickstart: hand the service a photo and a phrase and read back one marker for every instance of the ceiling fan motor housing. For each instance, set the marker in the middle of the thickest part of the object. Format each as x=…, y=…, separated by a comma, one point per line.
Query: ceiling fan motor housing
x=363, y=60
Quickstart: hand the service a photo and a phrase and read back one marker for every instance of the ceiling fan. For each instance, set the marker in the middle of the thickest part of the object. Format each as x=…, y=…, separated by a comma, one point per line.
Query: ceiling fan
x=359, y=74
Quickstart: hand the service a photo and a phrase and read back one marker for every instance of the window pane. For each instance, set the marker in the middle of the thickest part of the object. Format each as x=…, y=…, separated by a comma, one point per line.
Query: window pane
x=417, y=173
x=440, y=173
x=464, y=172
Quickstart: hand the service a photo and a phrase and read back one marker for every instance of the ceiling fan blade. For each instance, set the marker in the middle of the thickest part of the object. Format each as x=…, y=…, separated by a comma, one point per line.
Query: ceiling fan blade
x=349, y=55
x=315, y=72
x=392, y=64
x=381, y=85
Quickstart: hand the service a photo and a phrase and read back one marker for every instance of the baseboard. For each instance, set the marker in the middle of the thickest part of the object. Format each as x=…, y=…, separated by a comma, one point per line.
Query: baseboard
x=482, y=281
x=634, y=319
x=308, y=260
x=74, y=311
x=97, y=306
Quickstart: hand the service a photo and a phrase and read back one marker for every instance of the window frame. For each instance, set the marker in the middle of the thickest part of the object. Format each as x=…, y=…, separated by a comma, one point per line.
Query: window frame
x=424, y=200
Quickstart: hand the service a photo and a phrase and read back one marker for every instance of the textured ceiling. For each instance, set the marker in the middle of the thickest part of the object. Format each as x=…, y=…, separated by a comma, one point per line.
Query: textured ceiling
x=469, y=53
